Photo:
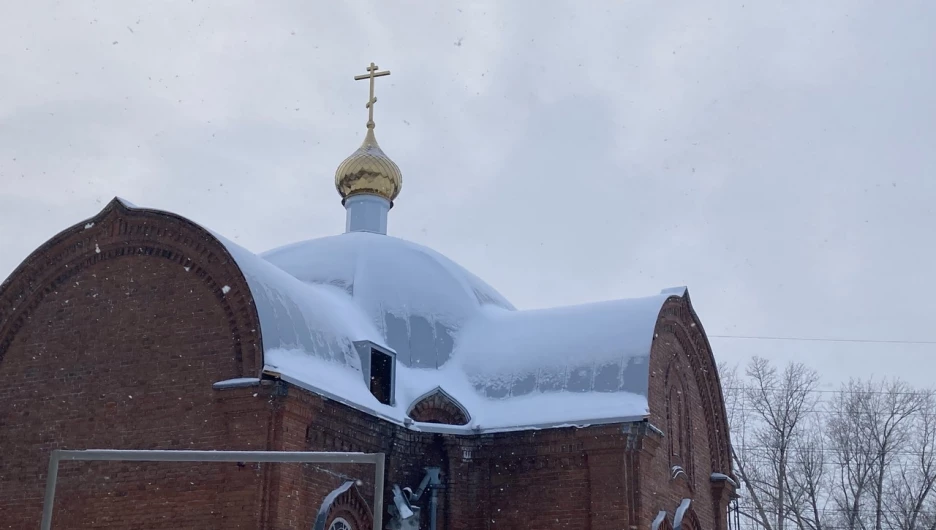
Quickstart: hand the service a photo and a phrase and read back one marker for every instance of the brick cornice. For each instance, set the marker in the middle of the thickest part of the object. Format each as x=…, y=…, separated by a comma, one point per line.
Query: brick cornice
x=118, y=232
x=643, y=438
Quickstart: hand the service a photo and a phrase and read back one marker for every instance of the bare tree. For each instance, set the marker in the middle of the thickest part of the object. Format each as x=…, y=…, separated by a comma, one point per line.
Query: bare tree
x=867, y=461
x=912, y=479
x=893, y=407
x=733, y=386
x=775, y=409
x=807, y=478
x=853, y=462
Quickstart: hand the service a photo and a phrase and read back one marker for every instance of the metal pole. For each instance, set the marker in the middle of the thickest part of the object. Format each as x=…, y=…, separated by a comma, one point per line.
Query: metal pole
x=49, y=500
x=218, y=456
x=379, y=491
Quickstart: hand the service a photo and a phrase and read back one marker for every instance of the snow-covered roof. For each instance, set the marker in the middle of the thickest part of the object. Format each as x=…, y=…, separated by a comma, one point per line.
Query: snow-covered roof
x=601, y=347
x=417, y=298
x=319, y=319
x=510, y=369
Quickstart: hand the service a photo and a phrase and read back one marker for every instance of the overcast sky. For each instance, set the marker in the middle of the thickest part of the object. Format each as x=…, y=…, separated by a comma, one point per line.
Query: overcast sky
x=777, y=157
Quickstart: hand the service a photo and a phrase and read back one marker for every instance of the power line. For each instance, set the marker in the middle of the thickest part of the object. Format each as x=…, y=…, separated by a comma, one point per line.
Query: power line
x=754, y=453
x=821, y=339
x=745, y=388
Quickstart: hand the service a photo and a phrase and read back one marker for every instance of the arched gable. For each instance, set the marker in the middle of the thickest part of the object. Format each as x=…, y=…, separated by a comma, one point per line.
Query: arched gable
x=120, y=230
x=681, y=360
x=438, y=407
x=677, y=318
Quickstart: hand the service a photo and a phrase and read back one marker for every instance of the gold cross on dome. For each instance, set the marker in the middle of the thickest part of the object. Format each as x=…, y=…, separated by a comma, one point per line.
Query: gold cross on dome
x=371, y=74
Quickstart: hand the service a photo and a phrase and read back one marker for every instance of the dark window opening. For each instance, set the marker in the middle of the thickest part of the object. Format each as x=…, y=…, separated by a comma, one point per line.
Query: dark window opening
x=381, y=376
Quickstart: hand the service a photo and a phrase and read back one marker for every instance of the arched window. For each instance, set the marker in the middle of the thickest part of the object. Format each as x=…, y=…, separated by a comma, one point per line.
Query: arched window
x=340, y=524
x=678, y=426
x=675, y=420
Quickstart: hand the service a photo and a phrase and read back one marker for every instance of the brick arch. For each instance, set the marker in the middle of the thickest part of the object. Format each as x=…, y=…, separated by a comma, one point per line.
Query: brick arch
x=678, y=318
x=689, y=521
x=352, y=507
x=120, y=230
x=438, y=407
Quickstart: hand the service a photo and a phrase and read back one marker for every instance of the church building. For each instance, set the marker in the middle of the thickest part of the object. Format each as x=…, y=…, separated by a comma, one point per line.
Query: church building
x=140, y=329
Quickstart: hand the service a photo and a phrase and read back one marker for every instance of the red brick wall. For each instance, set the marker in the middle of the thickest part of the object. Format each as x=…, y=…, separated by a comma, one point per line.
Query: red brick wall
x=551, y=479
x=107, y=341
x=659, y=489
x=681, y=362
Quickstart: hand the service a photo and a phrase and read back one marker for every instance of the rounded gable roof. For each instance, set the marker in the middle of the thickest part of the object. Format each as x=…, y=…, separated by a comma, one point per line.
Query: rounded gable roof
x=417, y=298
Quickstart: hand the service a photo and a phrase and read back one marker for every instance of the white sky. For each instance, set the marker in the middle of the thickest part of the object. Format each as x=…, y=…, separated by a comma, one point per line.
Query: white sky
x=777, y=158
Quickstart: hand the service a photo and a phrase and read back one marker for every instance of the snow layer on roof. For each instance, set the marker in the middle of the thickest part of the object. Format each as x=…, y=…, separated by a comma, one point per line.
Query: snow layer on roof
x=416, y=297
x=536, y=410
x=509, y=369
x=127, y=203
x=318, y=319
x=515, y=370
x=599, y=347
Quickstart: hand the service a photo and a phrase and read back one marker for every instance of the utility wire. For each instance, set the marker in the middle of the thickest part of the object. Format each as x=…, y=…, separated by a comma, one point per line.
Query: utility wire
x=821, y=339
x=745, y=388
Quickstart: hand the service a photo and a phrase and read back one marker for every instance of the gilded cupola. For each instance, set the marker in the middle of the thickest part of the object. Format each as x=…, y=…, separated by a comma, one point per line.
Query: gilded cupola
x=369, y=171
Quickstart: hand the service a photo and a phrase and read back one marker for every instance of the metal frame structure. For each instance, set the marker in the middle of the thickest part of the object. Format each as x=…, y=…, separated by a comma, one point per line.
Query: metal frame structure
x=282, y=457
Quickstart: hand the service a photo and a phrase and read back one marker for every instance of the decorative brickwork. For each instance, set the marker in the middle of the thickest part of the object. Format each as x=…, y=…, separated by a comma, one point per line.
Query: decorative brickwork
x=438, y=407
x=683, y=375
x=679, y=319
x=679, y=425
x=117, y=232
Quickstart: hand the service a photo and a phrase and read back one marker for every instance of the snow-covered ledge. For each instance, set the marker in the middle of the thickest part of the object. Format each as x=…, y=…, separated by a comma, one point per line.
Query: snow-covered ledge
x=677, y=471
x=721, y=477
x=240, y=382
x=681, y=513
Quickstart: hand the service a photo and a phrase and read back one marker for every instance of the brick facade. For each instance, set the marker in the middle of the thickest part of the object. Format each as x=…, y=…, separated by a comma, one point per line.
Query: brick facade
x=113, y=332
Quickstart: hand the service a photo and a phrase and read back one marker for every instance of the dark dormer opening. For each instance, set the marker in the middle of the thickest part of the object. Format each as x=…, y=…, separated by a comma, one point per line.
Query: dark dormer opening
x=378, y=366
x=381, y=376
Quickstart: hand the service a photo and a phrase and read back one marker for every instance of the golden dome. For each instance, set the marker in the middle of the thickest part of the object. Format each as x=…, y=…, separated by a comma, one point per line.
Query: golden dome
x=369, y=170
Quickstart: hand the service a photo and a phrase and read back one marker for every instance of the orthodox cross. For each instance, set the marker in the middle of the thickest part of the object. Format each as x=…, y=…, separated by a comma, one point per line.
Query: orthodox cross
x=371, y=74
